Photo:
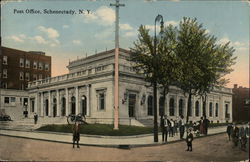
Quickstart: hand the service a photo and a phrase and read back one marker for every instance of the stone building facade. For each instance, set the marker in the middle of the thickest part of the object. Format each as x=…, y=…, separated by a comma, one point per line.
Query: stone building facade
x=89, y=89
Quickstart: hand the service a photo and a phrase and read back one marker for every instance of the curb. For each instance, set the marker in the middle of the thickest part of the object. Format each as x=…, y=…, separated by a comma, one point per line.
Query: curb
x=120, y=146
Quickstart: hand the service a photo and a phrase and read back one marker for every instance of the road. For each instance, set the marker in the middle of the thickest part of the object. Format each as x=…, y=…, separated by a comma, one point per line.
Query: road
x=212, y=148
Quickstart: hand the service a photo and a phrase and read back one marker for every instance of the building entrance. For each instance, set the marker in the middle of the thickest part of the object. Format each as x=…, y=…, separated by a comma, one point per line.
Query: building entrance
x=131, y=105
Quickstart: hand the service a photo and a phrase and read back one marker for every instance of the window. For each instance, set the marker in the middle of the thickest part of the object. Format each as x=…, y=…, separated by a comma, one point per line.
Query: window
x=181, y=107
x=102, y=101
x=34, y=65
x=197, y=108
x=227, y=115
x=150, y=105
x=21, y=75
x=34, y=77
x=40, y=76
x=21, y=87
x=13, y=99
x=21, y=62
x=40, y=66
x=161, y=106
x=5, y=85
x=6, y=100
x=5, y=60
x=27, y=63
x=5, y=73
x=101, y=94
x=171, y=107
x=100, y=68
x=27, y=76
x=210, y=109
x=216, y=110
x=47, y=67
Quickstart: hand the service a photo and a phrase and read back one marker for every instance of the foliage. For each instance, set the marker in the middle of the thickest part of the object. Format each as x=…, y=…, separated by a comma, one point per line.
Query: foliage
x=99, y=129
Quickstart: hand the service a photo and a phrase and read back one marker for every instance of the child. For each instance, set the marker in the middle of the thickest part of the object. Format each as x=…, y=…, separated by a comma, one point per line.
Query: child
x=189, y=140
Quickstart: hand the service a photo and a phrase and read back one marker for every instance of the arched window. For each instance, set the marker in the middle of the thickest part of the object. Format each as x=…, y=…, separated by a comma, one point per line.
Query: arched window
x=216, y=110
x=73, y=105
x=54, y=107
x=226, y=111
x=46, y=107
x=171, y=107
x=150, y=105
x=204, y=108
x=84, y=105
x=161, y=106
x=63, y=110
x=181, y=107
x=197, y=108
x=210, y=109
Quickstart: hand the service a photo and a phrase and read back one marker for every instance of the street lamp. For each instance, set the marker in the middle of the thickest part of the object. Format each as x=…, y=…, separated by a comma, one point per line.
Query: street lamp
x=158, y=18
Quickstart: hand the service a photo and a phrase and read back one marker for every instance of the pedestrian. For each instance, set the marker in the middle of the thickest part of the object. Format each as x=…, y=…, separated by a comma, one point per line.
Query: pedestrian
x=235, y=135
x=76, y=134
x=167, y=127
x=35, y=118
x=189, y=140
x=205, y=125
x=202, y=130
x=229, y=130
x=182, y=126
x=163, y=130
x=171, y=128
x=242, y=138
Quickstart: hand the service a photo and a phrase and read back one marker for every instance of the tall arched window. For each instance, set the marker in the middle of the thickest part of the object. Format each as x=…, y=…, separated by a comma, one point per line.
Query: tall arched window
x=46, y=107
x=84, y=105
x=150, y=105
x=216, y=110
x=161, y=106
x=63, y=110
x=210, y=109
x=204, y=108
x=73, y=105
x=54, y=107
x=226, y=111
x=171, y=107
x=181, y=105
x=197, y=108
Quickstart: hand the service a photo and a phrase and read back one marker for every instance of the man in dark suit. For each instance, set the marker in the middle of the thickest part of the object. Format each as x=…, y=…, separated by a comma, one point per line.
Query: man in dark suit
x=189, y=140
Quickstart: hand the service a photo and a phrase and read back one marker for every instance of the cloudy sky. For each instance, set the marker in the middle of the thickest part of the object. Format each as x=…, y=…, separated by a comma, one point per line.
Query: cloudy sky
x=70, y=36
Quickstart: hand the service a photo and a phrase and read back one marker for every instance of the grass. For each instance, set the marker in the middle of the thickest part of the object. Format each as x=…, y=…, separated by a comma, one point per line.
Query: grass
x=99, y=129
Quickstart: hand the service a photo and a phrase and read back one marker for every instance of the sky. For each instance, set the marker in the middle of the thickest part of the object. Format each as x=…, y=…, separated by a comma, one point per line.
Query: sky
x=67, y=37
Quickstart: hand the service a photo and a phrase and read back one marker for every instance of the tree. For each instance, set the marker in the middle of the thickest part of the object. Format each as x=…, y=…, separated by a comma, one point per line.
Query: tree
x=161, y=68
x=204, y=62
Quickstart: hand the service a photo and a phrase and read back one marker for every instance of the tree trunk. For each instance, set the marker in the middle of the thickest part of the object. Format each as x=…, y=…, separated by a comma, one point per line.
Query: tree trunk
x=189, y=106
x=155, y=113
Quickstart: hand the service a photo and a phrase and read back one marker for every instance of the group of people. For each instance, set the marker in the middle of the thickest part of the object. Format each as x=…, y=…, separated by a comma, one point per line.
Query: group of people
x=238, y=135
x=170, y=127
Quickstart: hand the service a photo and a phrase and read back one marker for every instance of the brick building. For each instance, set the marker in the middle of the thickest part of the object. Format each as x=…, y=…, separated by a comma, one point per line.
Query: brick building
x=241, y=103
x=19, y=67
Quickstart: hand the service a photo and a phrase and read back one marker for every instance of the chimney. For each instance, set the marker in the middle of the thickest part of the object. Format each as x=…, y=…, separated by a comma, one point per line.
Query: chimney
x=235, y=85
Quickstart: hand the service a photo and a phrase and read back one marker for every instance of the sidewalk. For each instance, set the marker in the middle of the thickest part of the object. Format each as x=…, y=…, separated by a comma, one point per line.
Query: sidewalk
x=103, y=141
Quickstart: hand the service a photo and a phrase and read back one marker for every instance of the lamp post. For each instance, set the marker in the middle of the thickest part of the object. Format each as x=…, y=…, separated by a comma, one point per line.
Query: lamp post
x=158, y=18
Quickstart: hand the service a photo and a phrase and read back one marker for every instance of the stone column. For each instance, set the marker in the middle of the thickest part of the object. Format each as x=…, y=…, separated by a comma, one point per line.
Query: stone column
x=49, y=100
x=41, y=105
x=57, y=104
x=67, y=101
x=88, y=100
x=77, y=100
x=37, y=103
x=201, y=107
x=167, y=105
x=177, y=106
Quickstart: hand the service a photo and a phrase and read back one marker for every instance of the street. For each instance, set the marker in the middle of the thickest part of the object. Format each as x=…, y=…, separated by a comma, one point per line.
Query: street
x=212, y=148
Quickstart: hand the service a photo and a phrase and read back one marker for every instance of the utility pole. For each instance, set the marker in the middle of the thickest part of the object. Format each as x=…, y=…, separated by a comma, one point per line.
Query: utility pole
x=116, y=93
